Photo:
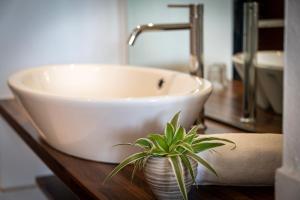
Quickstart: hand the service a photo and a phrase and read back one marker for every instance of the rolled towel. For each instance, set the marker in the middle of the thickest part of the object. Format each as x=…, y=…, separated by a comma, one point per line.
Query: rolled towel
x=252, y=163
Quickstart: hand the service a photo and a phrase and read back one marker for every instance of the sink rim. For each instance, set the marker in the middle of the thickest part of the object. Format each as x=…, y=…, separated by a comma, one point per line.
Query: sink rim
x=236, y=58
x=15, y=84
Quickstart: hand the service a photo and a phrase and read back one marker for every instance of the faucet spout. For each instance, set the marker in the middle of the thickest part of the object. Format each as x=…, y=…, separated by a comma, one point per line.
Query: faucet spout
x=134, y=34
x=155, y=27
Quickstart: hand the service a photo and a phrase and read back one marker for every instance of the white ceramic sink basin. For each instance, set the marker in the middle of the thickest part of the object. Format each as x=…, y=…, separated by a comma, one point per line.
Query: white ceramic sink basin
x=83, y=110
x=269, y=78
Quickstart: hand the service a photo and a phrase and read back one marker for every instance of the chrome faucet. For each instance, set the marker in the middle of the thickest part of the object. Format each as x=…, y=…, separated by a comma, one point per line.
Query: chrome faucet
x=250, y=46
x=250, y=40
x=195, y=26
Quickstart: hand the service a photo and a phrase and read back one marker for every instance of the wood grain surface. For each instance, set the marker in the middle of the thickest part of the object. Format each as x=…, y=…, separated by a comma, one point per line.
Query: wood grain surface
x=84, y=178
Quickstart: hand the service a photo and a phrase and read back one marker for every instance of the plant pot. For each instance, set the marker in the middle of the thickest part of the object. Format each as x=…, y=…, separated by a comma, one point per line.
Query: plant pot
x=161, y=178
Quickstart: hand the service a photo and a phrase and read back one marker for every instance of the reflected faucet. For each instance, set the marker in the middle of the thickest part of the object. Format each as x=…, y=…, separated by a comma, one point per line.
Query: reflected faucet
x=195, y=26
x=250, y=46
x=250, y=40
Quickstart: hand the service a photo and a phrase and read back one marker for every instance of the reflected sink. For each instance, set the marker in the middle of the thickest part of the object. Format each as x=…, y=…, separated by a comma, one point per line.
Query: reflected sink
x=269, y=78
x=84, y=110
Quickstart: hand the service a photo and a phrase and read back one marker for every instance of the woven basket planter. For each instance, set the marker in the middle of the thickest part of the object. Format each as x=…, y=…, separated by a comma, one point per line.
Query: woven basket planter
x=161, y=178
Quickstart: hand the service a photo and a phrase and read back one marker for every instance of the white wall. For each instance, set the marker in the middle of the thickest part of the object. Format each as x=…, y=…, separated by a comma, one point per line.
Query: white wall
x=288, y=176
x=170, y=49
x=39, y=32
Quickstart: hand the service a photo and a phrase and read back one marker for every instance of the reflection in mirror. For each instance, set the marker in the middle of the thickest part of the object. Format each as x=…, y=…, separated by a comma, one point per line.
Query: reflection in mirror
x=258, y=57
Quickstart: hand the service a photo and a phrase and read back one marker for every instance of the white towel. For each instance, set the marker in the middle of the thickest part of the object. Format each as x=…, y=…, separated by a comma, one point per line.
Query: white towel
x=252, y=163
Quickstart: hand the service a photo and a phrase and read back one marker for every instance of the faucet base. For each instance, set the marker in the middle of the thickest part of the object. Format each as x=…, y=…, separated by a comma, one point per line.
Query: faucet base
x=200, y=122
x=202, y=127
x=247, y=120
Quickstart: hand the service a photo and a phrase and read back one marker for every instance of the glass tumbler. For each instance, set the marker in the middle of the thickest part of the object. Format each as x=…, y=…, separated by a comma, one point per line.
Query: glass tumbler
x=217, y=75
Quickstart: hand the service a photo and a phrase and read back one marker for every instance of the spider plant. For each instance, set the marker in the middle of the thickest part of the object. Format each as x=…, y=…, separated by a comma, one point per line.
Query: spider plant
x=178, y=146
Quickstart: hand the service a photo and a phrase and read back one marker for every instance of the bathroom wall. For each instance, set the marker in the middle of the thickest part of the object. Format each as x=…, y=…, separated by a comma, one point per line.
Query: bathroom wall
x=171, y=49
x=288, y=176
x=39, y=32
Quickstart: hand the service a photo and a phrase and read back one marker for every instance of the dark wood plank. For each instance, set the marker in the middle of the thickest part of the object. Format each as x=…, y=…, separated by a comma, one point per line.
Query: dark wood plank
x=225, y=106
x=232, y=193
x=85, y=178
x=54, y=188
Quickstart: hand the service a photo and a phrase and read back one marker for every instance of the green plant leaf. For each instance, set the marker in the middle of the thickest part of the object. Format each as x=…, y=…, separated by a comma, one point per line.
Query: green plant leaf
x=186, y=146
x=169, y=133
x=135, y=167
x=198, y=140
x=174, y=154
x=140, y=163
x=144, y=143
x=145, y=159
x=202, y=162
x=123, y=144
x=179, y=150
x=159, y=141
x=186, y=162
x=193, y=130
x=174, y=120
x=179, y=135
x=189, y=138
x=178, y=171
x=157, y=152
x=199, y=147
x=124, y=163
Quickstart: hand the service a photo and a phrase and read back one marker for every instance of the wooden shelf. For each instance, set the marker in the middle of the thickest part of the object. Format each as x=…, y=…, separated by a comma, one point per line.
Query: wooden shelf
x=54, y=188
x=84, y=178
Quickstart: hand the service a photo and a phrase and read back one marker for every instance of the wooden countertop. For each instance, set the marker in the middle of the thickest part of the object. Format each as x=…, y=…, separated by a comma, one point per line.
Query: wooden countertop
x=84, y=178
x=225, y=106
